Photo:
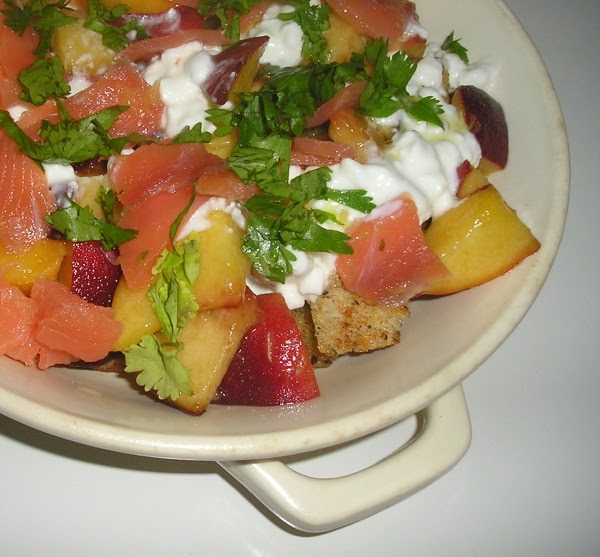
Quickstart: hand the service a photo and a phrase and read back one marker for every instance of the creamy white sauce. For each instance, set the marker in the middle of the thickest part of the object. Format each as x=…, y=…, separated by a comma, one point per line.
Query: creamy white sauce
x=180, y=73
x=284, y=48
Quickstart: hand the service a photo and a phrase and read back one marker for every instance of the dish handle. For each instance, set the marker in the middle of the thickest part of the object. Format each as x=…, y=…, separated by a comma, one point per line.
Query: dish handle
x=322, y=504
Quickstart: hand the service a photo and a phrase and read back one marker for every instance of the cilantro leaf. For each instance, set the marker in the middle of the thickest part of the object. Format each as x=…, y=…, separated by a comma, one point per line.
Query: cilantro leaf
x=107, y=199
x=265, y=160
x=281, y=220
x=222, y=119
x=43, y=79
x=313, y=20
x=263, y=245
x=99, y=19
x=158, y=368
x=192, y=135
x=172, y=295
x=78, y=224
x=355, y=199
x=68, y=141
x=454, y=46
x=287, y=98
x=386, y=92
x=426, y=109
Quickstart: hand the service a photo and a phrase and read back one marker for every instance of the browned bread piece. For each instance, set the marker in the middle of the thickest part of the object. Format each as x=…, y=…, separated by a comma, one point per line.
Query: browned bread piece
x=305, y=323
x=347, y=323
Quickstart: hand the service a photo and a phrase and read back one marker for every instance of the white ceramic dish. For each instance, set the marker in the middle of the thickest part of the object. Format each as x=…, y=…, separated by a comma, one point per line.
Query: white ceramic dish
x=444, y=341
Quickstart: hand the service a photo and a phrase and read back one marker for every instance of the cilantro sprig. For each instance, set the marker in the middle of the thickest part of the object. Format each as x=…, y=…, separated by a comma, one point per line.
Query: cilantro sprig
x=68, y=141
x=78, y=224
x=42, y=80
x=286, y=99
x=99, y=19
x=386, y=92
x=157, y=368
x=172, y=296
x=313, y=21
x=454, y=46
x=281, y=219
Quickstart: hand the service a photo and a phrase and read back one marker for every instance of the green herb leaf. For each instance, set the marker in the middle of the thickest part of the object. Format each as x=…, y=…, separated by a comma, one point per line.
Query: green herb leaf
x=263, y=245
x=192, y=135
x=355, y=199
x=281, y=220
x=69, y=141
x=288, y=97
x=386, y=92
x=78, y=224
x=454, y=46
x=43, y=79
x=158, y=368
x=99, y=20
x=313, y=20
x=107, y=199
x=426, y=109
x=172, y=295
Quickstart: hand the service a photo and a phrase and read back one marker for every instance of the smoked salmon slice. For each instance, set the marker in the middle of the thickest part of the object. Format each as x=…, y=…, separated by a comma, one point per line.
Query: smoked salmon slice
x=122, y=85
x=307, y=151
x=69, y=328
x=348, y=97
x=391, y=262
x=147, y=48
x=17, y=320
x=17, y=54
x=25, y=199
x=153, y=168
x=54, y=326
x=387, y=19
x=152, y=218
x=220, y=181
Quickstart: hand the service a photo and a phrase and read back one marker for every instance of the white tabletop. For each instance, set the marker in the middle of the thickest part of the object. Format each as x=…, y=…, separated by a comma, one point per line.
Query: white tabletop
x=527, y=486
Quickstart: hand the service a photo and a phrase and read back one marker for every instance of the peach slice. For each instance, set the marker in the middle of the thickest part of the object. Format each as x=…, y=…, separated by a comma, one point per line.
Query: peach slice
x=210, y=341
x=471, y=180
x=134, y=309
x=42, y=260
x=480, y=239
x=485, y=118
x=223, y=266
x=348, y=127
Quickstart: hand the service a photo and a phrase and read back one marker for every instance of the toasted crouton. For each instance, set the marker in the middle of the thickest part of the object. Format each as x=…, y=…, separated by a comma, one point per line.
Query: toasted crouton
x=347, y=323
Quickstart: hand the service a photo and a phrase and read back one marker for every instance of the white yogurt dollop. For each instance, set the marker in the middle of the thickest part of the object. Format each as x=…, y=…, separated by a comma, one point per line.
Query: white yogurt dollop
x=284, y=48
x=180, y=73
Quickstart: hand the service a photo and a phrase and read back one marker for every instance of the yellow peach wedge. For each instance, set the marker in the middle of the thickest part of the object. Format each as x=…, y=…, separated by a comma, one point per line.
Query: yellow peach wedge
x=479, y=240
x=210, y=341
x=42, y=260
x=134, y=310
x=223, y=267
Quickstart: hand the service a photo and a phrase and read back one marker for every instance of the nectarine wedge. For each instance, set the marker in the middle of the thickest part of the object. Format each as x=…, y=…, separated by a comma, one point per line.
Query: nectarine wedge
x=480, y=239
x=485, y=118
